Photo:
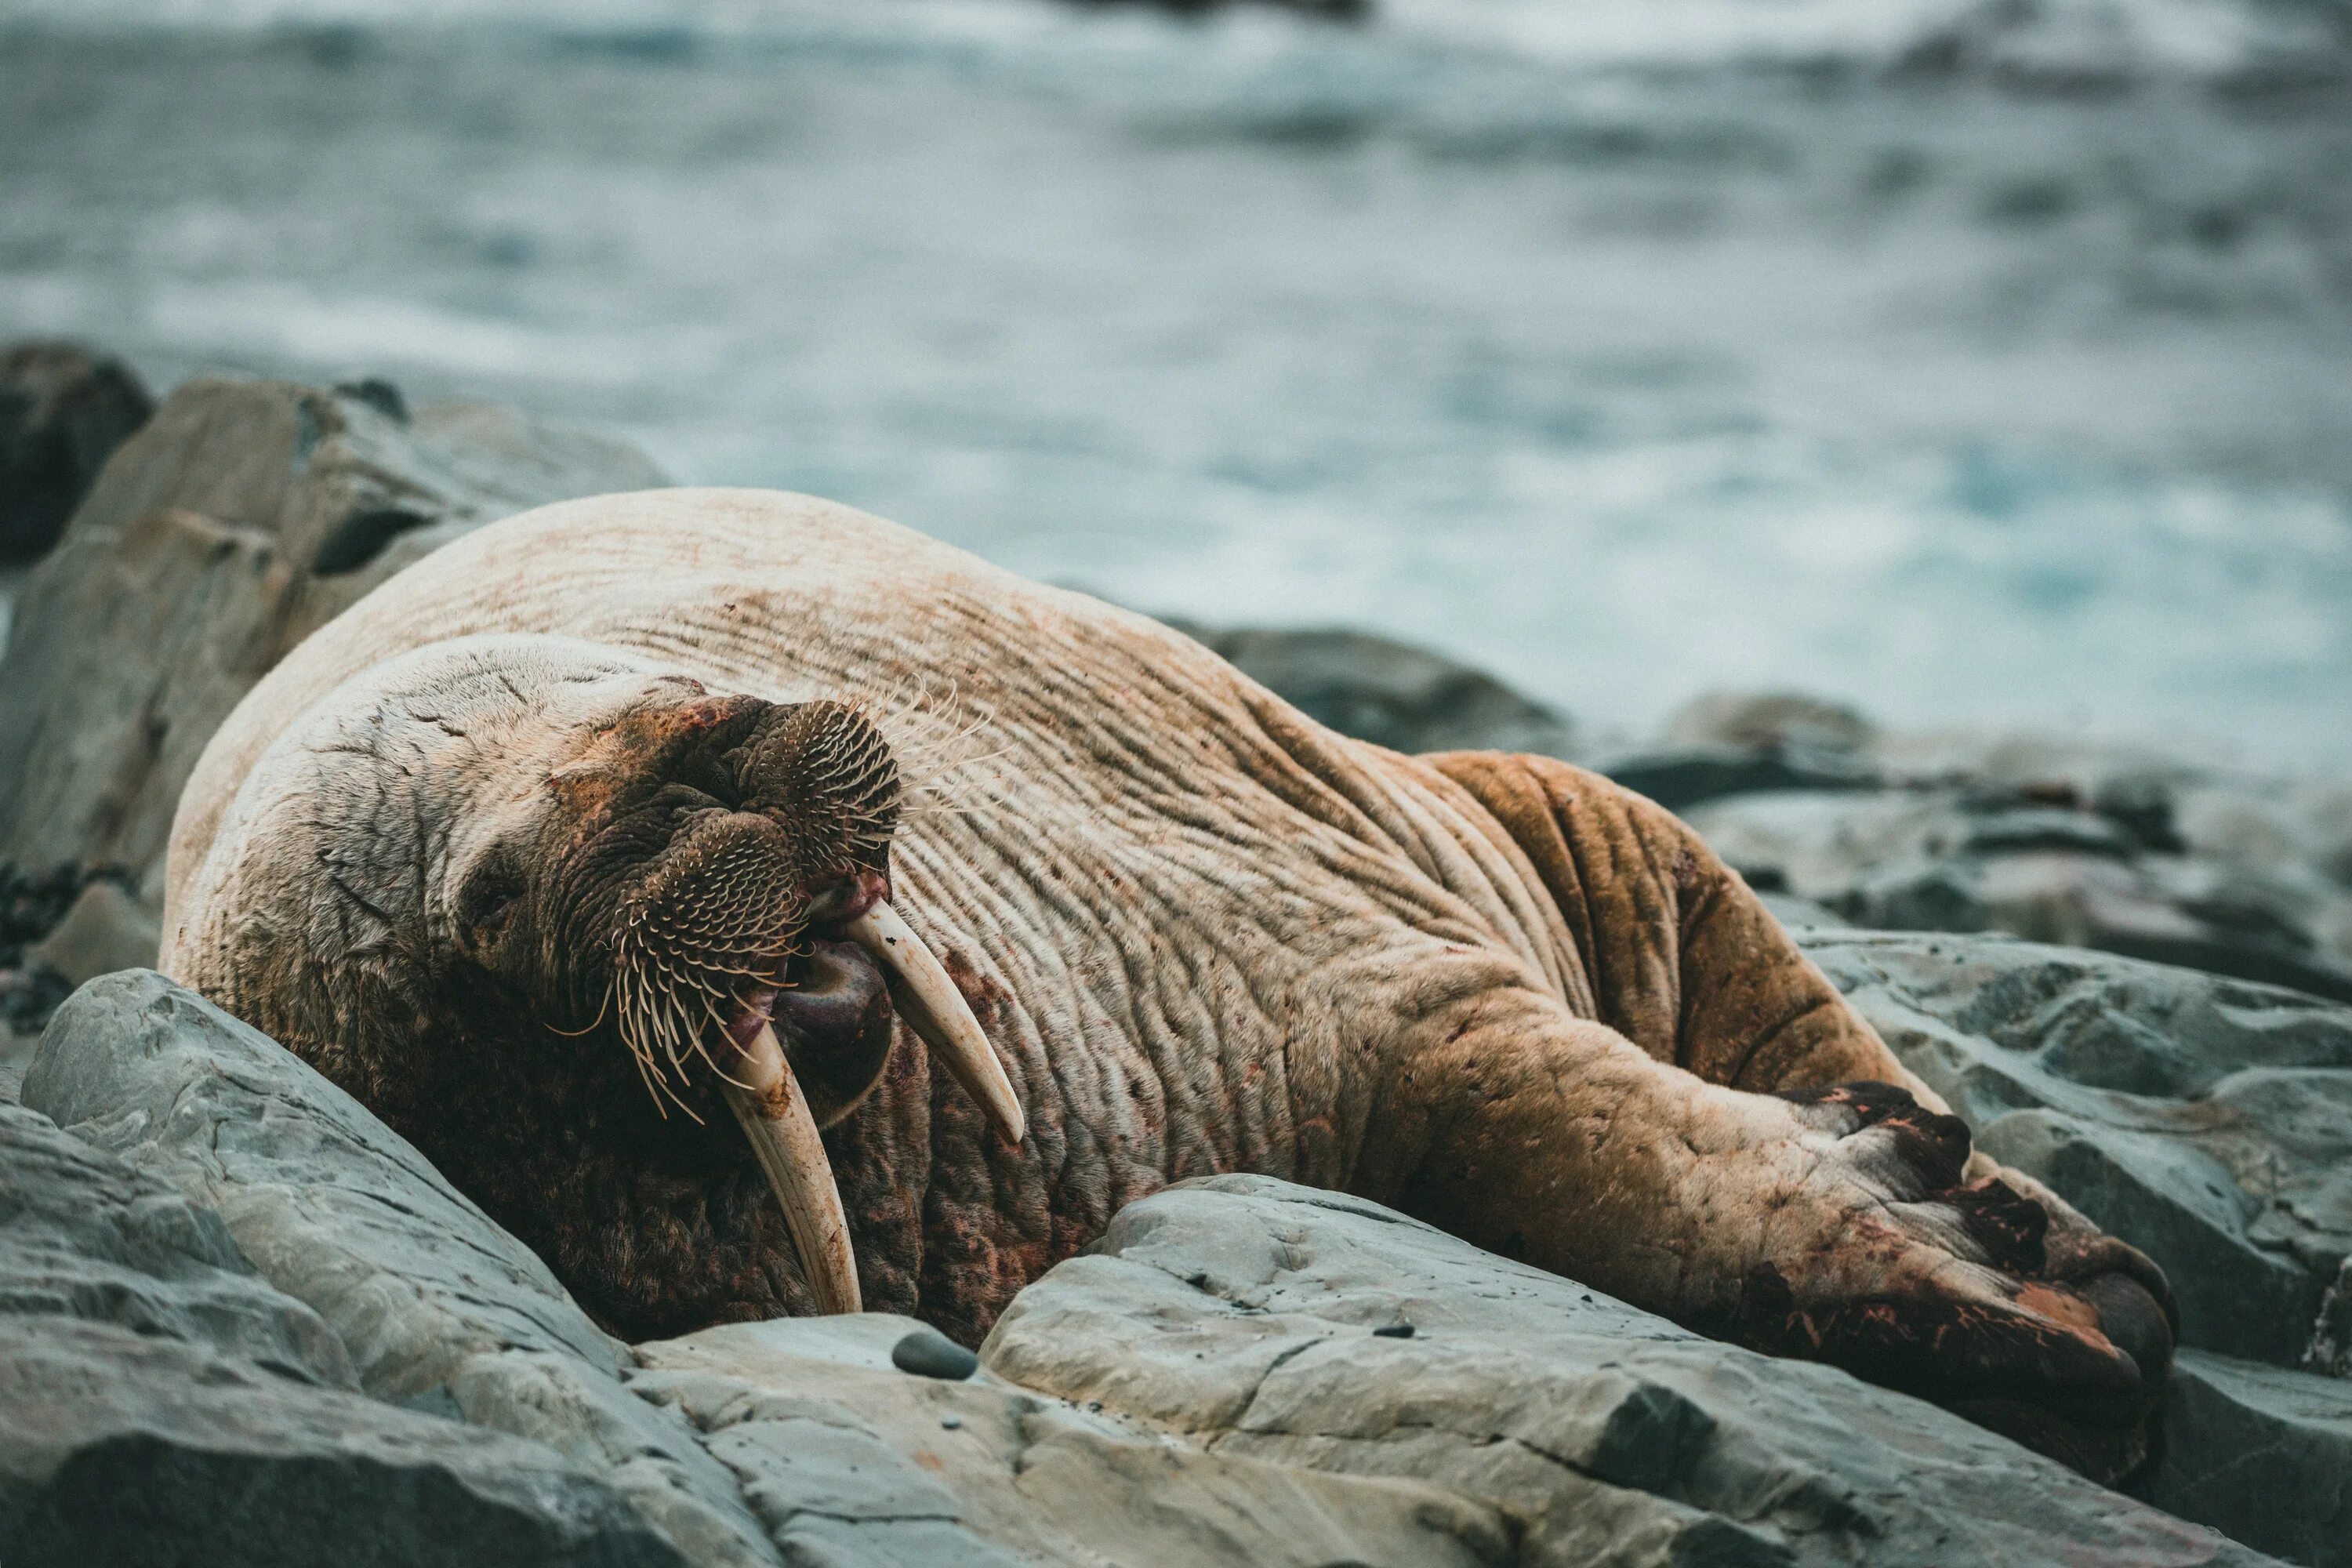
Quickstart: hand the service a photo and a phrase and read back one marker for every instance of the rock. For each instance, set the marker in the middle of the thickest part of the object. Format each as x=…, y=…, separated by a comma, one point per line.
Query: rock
x=1234, y=1312
x=831, y=1443
x=164, y=1402
x=63, y=411
x=2207, y=1120
x=439, y=1309
x=1770, y=721
x=2262, y=1454
x=2331, y=1336
x=1390, y=693
x=1680, y=778
x=241, y=517
x=1982, y=858
x=927, y=1353
x=105, y=930
x=125, y=1449
x=30, y=907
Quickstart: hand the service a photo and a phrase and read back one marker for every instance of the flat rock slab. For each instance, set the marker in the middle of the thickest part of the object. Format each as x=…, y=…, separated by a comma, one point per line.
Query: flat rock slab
x=830, y=1440
x=1241, y=1313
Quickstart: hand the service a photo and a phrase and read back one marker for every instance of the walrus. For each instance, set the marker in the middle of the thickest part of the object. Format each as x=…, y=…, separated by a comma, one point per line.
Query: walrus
x=596, y=853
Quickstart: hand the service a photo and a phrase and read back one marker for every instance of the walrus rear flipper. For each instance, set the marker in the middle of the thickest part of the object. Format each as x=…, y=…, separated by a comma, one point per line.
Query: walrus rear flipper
x=1834, y=1211
x=1680, y=955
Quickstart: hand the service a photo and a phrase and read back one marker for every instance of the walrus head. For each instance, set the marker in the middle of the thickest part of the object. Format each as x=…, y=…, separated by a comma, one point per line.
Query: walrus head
x=540, y=846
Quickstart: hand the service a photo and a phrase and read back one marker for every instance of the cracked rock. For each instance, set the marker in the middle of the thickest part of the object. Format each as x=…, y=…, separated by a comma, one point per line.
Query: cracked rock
x=1233, y=1312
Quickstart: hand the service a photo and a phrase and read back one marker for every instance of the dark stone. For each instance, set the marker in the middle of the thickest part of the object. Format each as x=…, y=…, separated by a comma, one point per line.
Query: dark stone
x=63, y=411
x=1390, y=693
x=927, y=1353
x=1679, y=779
x=378, y=393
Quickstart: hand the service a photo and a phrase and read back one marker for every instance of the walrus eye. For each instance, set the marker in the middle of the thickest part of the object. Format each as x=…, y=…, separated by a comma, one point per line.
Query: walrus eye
x=488, y=908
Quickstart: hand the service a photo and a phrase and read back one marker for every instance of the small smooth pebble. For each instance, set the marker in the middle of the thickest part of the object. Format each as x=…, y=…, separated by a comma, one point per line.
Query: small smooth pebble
x=950, y=1422
x=1393, y=1331
x=927, y=1353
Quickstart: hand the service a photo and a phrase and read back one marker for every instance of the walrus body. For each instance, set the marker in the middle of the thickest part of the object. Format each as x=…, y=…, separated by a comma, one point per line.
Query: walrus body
x=1202, y=933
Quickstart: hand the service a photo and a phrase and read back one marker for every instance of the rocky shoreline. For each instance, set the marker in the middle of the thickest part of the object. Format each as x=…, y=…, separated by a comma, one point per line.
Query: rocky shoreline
x=223, y=1279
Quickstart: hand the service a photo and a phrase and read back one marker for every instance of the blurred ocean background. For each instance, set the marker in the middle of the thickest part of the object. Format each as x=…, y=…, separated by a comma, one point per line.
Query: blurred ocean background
x=1979, y=363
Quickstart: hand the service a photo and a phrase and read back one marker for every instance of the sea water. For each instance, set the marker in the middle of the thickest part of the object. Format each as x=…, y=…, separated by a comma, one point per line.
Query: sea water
x=1979, y=363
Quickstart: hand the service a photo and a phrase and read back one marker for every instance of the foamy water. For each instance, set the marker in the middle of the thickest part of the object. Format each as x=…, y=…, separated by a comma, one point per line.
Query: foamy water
x=1974, y=364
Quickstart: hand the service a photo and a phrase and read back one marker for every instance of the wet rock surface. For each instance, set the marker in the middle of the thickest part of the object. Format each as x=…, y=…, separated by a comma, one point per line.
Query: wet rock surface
x=239, y=518
x=2260, y=1454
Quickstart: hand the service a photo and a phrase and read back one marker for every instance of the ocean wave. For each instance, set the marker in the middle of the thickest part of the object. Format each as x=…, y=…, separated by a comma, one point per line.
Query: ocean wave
x=2033, y=42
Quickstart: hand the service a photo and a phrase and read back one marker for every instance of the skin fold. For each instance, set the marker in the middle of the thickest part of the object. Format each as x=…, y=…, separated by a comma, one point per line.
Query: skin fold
x=1202, y=932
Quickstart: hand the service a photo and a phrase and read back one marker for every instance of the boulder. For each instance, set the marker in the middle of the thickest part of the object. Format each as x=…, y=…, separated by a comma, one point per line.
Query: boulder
x=439, y=1309
x=2207, y=1119
x=2261, y=1454
x=830, y=1439
x=1770, y=721
x=243, y=515
x=103, y=930
x=1260, y=1320
x=164, y=1404
x=1390, y=693
x=63, y=411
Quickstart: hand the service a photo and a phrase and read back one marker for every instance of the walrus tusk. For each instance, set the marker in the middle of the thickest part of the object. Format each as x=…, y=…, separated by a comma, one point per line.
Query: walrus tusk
x=937, y=1011
x=775, y=1116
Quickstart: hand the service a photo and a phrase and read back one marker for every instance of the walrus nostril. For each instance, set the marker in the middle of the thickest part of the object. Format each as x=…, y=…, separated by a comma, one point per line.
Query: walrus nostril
x=2135, y=1324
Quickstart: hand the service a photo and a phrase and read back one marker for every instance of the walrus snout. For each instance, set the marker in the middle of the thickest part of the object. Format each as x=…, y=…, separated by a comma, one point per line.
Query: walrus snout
x=760, y=938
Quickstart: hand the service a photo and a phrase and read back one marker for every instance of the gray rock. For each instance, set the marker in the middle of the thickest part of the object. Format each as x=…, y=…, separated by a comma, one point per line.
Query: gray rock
x=1239, y=1311
x=1979, y=858
x=161, y=1403
x=2262, y=1454
x=105, y=930
x=1390, y=693
x=438, y=1307
x=841, y=1452
x=1770, y=721
x=124, y=1450
x=1681, y=777
x=2207, y=1120
x=63, y=411
x=244, y=515
x=2331, y=1335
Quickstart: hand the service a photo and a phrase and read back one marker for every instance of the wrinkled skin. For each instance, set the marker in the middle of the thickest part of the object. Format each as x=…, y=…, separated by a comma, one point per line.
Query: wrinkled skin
x=1203, y=934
